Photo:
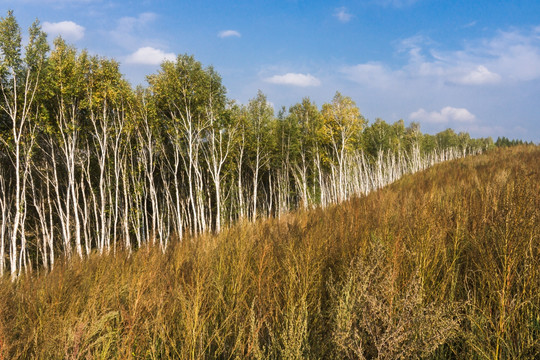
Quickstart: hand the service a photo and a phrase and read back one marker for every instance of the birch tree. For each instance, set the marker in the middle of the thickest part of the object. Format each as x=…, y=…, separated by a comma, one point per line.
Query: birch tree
x=219, y=136
x=260, y=114
x=184, y=91
x=106, y=96
x=343, y=125
x=66, y=83
x=19, y=83
x=240, y=117
x=144, y=164
x=307, y=119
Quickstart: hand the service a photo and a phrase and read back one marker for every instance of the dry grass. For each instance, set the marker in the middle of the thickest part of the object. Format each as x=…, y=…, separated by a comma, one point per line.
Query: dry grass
x=443, y=264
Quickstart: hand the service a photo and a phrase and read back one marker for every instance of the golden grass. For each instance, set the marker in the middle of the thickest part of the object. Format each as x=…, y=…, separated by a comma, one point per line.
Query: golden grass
x=442, y=264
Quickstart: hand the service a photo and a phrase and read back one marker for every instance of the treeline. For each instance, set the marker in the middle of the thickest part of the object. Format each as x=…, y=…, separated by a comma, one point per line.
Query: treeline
x=505, y=142
x=89, y=163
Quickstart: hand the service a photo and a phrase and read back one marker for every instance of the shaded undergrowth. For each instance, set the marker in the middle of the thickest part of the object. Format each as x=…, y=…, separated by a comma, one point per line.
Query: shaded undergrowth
x=443, y=264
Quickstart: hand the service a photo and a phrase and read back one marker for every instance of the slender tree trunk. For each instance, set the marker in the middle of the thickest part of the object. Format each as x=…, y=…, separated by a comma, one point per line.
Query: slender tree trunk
x=4, y=217
x=241, y=212
x=255, y=185
x=16, y=221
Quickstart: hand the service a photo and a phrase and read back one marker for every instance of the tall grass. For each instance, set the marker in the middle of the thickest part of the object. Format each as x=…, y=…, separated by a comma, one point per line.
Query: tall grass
x=443, y=264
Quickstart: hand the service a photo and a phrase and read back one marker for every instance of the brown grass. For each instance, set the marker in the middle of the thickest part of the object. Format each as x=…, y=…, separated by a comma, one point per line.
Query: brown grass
x=443, y=264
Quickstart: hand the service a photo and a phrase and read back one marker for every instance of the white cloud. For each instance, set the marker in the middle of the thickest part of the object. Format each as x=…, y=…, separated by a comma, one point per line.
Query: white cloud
x=446, y=115
x=342, y=14
x=149, y=56
x=229, y=33
x=69, y=30
x=507, y=57
x=294, y=79
x=479, y=76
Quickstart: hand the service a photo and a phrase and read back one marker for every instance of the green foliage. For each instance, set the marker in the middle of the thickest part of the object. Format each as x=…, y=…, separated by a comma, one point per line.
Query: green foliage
x=184, y=89
x=260, y=114
x=384, y=137
x=505, y=142
x=10, y=44
x=343, y=123
x=36, y=49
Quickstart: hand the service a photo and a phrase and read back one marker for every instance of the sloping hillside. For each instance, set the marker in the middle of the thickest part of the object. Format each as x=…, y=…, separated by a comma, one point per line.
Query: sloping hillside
x=441, y=264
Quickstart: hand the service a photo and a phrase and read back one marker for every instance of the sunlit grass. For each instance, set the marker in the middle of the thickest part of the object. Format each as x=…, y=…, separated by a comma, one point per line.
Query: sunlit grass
x=442, y=264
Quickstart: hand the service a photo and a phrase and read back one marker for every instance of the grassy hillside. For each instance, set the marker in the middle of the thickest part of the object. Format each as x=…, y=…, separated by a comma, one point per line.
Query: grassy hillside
x=443, y=264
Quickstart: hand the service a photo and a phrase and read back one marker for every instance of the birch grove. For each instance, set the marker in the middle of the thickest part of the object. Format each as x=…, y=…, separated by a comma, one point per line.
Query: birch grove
x=89, y=164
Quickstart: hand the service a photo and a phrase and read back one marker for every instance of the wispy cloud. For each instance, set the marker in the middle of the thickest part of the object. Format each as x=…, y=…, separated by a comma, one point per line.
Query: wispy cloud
x=129, y=30
x=343, y=14
x=514, y=55
x=294, y=79
x=375, y=74
x=447, y=114
x=229, y=33
x=507, y=57
x=69, y=30
x=149, y=56
x=471, y=24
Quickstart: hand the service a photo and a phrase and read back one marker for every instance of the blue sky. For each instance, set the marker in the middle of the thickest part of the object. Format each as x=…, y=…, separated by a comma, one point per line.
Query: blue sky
x=470, y=65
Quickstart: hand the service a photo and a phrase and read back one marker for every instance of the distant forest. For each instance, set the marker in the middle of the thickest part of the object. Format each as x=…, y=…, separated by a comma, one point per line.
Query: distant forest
x=88, y=163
